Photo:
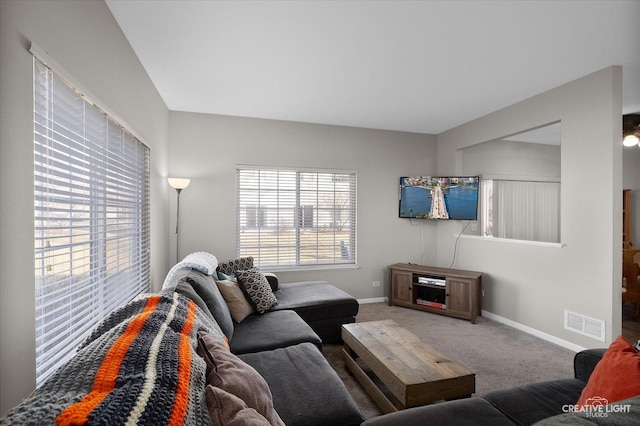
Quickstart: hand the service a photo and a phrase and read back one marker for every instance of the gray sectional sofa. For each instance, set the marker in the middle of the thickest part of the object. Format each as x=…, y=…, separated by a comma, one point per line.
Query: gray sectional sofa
x=179, y=357
x=284, y=344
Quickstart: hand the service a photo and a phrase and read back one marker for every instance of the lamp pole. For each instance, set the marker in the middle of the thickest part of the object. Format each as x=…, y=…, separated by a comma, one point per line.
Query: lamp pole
x=178, y=190
x=178, y=184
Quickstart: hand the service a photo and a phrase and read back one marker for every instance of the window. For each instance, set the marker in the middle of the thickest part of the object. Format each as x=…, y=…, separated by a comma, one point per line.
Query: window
x=522, y=210
x=255, y=216
x=296, y=218
x=91, y=198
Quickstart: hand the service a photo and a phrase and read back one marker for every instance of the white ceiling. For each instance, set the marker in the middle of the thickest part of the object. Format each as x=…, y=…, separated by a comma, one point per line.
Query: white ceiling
x=417, y=66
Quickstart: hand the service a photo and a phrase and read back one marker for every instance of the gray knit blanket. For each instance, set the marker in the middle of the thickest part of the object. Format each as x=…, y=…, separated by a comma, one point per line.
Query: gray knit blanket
x=139, y=366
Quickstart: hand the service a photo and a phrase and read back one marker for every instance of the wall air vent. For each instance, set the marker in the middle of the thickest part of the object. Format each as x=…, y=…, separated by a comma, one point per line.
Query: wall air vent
x=584, y=325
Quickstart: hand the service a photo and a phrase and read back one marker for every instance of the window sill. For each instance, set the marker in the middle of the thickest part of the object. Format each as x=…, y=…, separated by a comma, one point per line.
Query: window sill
x=276, y=269
x=507, y=240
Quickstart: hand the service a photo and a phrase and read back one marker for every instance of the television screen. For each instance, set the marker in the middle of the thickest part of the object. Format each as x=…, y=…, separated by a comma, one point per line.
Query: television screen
x=427, y=197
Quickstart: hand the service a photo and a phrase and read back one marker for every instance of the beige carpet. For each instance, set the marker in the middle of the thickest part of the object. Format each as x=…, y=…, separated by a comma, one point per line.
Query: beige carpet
x=501, y=356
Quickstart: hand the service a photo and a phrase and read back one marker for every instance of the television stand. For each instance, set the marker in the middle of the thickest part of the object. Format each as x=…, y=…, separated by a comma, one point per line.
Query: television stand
x=452, y=292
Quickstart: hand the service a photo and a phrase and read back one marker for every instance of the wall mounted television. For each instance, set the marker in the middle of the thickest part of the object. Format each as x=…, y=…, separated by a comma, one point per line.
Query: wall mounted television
x=438, y=197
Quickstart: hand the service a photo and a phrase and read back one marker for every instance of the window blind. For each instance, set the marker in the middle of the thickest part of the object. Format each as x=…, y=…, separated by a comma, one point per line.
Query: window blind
x=92, y=221
x=296, y=218
x=526, y=210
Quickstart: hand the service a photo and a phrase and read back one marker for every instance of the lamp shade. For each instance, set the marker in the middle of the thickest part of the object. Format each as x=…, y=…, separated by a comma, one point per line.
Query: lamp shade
x=630, y=140
x=630, y=129
x=179, y=183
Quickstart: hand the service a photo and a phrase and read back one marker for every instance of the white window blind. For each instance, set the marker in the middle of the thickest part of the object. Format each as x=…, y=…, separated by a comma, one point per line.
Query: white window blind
x=523, y=210
x=91, y=199
x=296, y=218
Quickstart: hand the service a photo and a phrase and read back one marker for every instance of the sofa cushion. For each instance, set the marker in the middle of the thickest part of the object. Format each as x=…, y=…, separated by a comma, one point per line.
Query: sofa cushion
x=525, y=405
x=184, y=288
x=330, y=330
x=315, y=300
x=306, y=390
x=227, y=409
x=462, y=412
x=230, y=373
x=236, y=301
x=584, y=362
x=270, y=331
x=207, y=289
x=615, y=377
x=231, y=266
x=257, y=287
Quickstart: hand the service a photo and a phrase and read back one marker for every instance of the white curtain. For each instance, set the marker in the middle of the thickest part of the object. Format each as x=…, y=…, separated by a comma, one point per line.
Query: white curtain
x=526, y=210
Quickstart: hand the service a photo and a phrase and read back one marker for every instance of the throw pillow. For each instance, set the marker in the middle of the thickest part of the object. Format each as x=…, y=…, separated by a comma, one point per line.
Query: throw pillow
x=228, y=409
x=616, y=376
x=272, y=279
x=257, y=287
x=203, y=285
x=239, y=264
x=238, y=304
x=229, y=373
x=226, y=277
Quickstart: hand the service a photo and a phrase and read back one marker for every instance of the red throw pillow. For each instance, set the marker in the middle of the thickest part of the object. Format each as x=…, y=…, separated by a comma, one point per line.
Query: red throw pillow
x=616, y=376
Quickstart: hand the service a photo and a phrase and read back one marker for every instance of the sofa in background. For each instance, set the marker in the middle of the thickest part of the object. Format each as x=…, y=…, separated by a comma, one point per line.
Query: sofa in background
x=600, y=376
x=180, y=357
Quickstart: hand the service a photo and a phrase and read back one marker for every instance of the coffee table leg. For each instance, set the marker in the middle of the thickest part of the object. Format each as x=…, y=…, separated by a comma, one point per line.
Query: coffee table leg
x=367, y=384
x=350, y=352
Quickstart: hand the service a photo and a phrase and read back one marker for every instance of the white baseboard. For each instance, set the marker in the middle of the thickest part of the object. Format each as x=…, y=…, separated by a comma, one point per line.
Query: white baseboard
x=497, y=318
x=542, y=335
x=372, y=300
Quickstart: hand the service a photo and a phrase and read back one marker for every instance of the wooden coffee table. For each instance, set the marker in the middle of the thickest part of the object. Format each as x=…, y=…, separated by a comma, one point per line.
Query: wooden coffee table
x=408, y=372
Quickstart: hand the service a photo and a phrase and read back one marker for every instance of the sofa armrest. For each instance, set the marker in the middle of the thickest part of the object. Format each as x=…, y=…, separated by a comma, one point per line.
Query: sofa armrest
x=272, y=279
x=585, y=361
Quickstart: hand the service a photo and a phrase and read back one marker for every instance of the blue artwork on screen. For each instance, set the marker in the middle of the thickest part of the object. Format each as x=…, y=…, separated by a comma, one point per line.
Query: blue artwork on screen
x=427, y=197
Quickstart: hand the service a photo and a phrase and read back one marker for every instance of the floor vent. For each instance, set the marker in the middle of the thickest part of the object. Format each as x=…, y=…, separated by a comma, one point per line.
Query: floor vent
x=587, y=326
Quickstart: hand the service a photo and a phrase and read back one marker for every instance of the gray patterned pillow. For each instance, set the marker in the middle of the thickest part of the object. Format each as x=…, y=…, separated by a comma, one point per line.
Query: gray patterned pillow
x=231, y=266
x=257, y=287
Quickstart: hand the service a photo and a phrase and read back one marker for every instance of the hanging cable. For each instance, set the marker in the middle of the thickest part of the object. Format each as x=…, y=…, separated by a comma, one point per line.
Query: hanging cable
x=455, y=248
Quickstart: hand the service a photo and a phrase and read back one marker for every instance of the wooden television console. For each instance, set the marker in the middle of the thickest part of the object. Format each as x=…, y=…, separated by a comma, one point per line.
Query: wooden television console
x=452, y=292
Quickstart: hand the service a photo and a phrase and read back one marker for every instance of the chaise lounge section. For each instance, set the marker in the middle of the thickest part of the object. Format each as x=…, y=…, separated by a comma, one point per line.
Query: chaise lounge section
x=324, y=307
x=321, y=305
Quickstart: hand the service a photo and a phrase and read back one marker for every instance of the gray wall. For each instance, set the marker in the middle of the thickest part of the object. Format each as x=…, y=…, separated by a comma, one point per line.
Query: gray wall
x=584, y=275
x=207, y=148
x=82, y=37
x=508, y=158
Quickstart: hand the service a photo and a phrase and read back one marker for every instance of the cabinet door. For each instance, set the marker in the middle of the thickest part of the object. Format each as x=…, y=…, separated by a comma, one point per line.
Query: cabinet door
x=459, y=296
x=401, y=285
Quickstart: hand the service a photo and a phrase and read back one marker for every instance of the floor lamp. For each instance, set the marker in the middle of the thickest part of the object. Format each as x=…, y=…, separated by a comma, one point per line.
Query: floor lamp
x=178, y=184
